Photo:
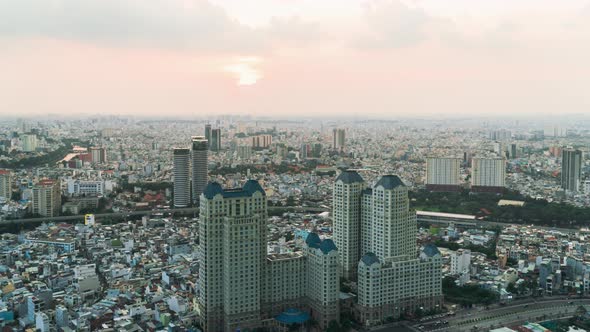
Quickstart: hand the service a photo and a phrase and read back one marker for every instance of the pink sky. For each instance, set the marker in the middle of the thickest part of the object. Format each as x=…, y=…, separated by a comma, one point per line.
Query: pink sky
x=381, y=58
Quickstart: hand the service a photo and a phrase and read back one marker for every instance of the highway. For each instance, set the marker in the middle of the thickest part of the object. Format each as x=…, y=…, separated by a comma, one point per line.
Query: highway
x=122, y=215
x=486, y=319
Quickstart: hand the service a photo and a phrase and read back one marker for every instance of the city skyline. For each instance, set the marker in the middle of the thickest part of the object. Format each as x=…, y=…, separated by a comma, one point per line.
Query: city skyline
x=363, y=58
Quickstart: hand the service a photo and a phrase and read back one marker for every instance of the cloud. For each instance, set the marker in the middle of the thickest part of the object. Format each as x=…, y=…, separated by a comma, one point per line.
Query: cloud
x=179, y=24
x=393, y=24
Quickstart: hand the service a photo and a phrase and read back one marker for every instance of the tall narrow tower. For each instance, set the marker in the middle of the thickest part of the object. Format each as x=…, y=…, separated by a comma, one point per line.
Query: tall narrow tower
x=182, y=192
x=347, y=221
x=199, y=150
x=571, y=168
x=232, y=253
x=208, y=133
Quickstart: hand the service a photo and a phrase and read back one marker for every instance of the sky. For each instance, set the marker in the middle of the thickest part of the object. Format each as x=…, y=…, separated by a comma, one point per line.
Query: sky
x=290, y=58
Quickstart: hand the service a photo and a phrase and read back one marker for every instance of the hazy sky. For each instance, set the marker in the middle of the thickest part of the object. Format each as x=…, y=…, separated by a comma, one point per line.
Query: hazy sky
x=294, y=57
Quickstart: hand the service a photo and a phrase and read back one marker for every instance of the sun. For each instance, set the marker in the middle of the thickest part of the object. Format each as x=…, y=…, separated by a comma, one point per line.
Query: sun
x=244, y=70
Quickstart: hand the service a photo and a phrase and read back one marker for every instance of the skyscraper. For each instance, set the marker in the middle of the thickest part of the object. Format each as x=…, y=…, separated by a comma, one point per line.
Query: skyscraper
x=571, y=168
x=5, y=184
x=199, y=150
x=392, y=277
x=339, y=138
x=442, y=174
x=98, y=154
x=346, y=207
x=240, y=286
x=208, y=134
x=215, y=142
x=46, y=199
x=182, y=193
x=488, y=174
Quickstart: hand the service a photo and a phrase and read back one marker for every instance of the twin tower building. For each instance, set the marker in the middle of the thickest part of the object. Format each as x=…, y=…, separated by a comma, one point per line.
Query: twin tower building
x=183, y=172
x=242, y=287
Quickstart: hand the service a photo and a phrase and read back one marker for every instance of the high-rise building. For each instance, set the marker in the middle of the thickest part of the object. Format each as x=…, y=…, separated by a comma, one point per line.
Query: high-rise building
x=244, y=151
x=29, y=142
x=346, y=217
x=240, y=286
x=442, y=174
x=513, y=151
x=339, y=138
x=5, y=184
x=261, y=141
x=98, y=155
x=571, y=169
x=488, y=174
x=182, y=194
x=215, y=142
x=208, y=134
x=200, y=151
x=46, y=198
x=392, y=278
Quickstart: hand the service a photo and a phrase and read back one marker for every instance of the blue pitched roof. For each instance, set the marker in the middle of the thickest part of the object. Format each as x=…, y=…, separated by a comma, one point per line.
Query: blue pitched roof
x=313, y=240
x=249, y=188
x=349, y=177
x=430, y=250
x=390, y=182
x=370, y=258
x=327, y=245
x=292, y=316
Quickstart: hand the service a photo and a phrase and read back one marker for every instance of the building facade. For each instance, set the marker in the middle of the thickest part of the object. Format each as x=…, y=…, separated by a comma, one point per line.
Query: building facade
x=182, y=193
x=215, y=142
x=199, y=151
x=442, y=174
x=571, y=169
x=46, y=198
x=346, y=218
x=240, y=286
x=488, y=174
x=339, y=139
x=5, y=184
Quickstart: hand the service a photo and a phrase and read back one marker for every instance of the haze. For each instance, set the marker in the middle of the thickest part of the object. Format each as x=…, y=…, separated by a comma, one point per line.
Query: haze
x=381, y=58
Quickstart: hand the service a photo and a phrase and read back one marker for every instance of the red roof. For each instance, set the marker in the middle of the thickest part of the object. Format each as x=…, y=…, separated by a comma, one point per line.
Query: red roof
x=4, y=171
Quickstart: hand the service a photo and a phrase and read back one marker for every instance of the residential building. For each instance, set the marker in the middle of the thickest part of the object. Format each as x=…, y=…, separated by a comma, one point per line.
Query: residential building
x=571, y=169
x=199, y=151
x=182, y=193
x=488, y=174
x=460, y=261
x=442, y=174
x=46, y=198
x=339, y=139
x=346, y=218
x=5, y=184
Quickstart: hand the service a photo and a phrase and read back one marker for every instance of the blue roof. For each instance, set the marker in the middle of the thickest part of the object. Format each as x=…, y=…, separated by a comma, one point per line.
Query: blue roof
x=369, y=258
x=349, y=177
x=250, y=187
x=389, y=182
x=313, y=240
x=431, y=250
x=293, y=316
x=327, y=245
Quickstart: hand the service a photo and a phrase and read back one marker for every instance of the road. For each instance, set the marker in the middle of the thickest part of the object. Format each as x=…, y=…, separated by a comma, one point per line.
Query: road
x=121, y=215
x=483, y=320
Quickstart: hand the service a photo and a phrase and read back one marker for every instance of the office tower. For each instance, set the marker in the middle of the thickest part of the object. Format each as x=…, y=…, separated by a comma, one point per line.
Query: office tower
x=46, y=198
x=346, y=217
x=316, y=151
x=513, y=151
x=200, y=151
x=442, y=174
x=261, y=141
x=392, y=278
x=232, y=251
x=98, y=155
x=339, y=138
x=29, y=142
x=571, y=168
x=208, y=134
x=305, y=151
x=215, y=142
x=240, y=286
x=182, y=193
x=5, y=184
x=488, y=175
